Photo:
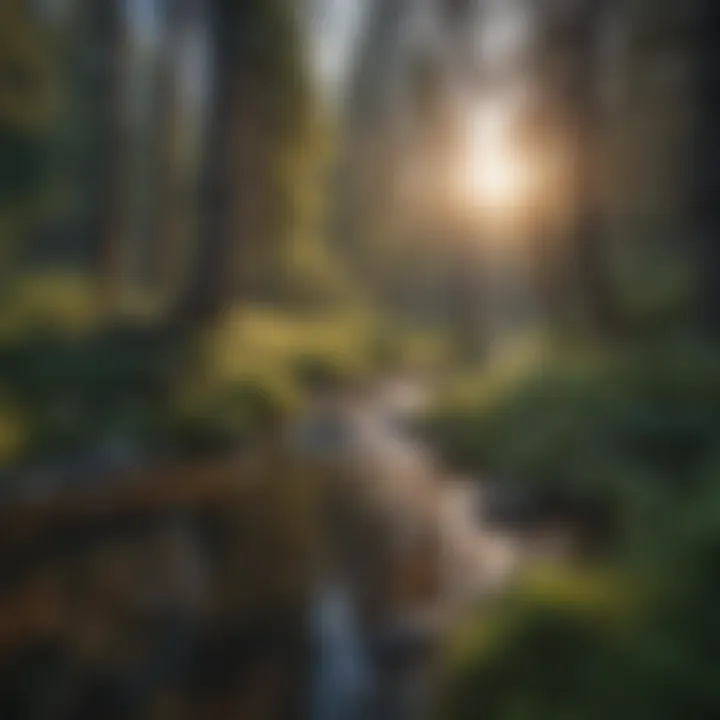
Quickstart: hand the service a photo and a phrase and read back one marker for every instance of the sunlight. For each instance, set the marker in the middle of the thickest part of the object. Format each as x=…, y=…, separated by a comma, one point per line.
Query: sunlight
x=495, y=175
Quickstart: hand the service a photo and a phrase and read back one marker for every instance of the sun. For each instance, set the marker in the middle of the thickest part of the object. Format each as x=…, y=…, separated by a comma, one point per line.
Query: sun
x=494, y=174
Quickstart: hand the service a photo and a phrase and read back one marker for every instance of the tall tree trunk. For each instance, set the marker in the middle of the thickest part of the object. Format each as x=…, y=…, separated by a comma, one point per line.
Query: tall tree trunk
x=706, y=164
x=363, y=190
x=577, y=33
x=254, y=114
x=108, y=34
x=590, y=238
x=166, y=234
x=214, y=277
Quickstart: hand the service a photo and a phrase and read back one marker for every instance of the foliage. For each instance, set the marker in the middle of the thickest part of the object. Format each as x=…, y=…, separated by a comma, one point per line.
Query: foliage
x=592, y=426
x=24, y=69
x=37, y=301
x=72, y=378
x=537, y=656
x=26, y=103
x=639, y=428
x=553, y=647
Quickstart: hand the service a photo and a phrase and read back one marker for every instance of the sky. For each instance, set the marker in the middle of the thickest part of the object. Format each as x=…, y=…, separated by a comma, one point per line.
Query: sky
x=144, y=17
x=334, y=27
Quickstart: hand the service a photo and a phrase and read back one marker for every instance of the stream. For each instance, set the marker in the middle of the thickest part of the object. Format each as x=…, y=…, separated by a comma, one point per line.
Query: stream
x=385, y=672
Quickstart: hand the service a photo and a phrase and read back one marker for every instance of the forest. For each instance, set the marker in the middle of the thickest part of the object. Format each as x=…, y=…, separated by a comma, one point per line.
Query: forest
x=359, y=359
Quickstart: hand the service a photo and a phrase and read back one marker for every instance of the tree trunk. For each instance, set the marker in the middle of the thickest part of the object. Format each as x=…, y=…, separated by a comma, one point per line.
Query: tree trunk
x=108, y=35
x=577, y=34
x=706, y=165
x=253, y=121
x=165, y=232
x=214, y=277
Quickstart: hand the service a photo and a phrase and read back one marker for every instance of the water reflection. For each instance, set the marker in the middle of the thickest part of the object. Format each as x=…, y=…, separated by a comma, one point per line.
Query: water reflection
x=342, y=682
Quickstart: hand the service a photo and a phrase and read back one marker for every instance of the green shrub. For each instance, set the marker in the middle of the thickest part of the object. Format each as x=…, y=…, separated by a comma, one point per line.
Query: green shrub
x=589, y=428
x=641, y=429
x=224, y=418
x=552, y=649
x=640, y=645
x=69, y=390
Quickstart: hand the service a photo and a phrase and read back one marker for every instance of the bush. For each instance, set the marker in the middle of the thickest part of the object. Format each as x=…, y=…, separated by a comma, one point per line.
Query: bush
x=594, y=429
x=74, y=391
x=552, y=649
x=641, y=430
x=624, y=646
x=66, y=389
x=223, y=418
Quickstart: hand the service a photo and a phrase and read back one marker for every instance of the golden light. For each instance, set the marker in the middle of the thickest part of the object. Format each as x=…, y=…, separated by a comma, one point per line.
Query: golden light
x=495, y=175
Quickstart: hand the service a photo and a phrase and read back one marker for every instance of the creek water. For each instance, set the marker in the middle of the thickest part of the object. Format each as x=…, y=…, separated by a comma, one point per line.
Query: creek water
x=352, y=679
x=342, y=679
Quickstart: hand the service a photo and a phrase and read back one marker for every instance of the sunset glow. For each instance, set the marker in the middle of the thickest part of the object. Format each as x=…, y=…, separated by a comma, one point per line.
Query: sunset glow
x=494, y=174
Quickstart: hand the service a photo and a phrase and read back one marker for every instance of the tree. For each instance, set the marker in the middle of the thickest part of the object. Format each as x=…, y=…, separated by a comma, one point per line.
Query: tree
x=170, y=132
x=705, y=161
x=108, y=44
x=574, y=34
x=25, y=98
x=257, y=109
